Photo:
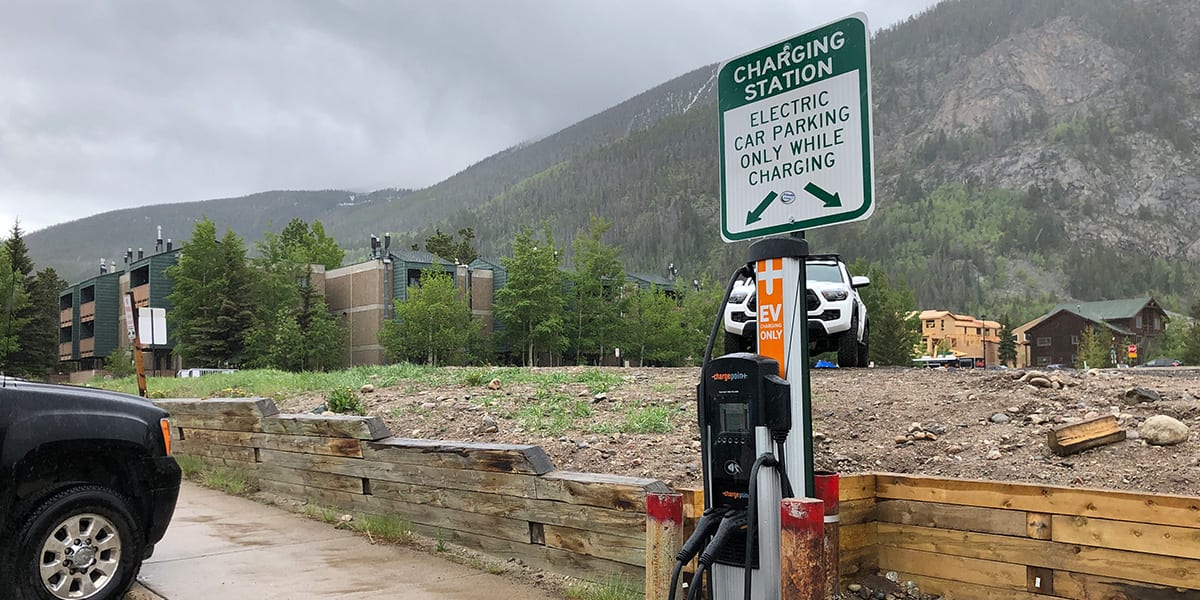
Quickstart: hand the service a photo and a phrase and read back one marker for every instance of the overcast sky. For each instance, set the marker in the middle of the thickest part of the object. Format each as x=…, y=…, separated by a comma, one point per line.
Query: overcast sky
x=107, y=105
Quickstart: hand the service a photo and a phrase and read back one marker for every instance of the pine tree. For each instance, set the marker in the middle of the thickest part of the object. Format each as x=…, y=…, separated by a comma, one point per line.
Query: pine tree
x=14, y=301
x=211, y=298
x=597, y=302
x=895, y=329
x=1095, y=349
x=1008, y=343
x=531, y=304
x=38, y=333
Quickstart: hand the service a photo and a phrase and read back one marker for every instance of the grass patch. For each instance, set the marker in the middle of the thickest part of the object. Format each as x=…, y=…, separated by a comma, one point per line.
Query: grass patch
x=190, y=465
x=321, y=513
x=230, y=480
x=611, y=588
x=598, y=381
x=552, y=412
x=386, y=527
x=226, y=479
x=662, y=388
x=649, y=419
x=345, y=401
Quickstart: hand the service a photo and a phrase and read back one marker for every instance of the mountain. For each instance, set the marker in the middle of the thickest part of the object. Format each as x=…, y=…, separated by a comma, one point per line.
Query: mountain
x=1026, y=152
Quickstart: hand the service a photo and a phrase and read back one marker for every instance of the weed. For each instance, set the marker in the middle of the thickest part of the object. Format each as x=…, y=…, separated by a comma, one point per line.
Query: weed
x=441, y=542
x=156, y=394
x=603, y=428
x=476, y=377
x=611, y=588
x=320, y=513
x=662, y=388
x=190, y=465
x=598, y=381
x=649, y=419
x=552, y=412
x=227, y=479
x=387, y=527
x=344, y=400
x=231, y=392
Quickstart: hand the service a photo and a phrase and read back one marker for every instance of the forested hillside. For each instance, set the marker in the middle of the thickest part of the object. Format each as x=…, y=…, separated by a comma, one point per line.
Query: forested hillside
x=1026, y=152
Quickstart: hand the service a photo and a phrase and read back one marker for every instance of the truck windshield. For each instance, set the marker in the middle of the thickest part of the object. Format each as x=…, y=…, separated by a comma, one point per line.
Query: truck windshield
x=826, y=273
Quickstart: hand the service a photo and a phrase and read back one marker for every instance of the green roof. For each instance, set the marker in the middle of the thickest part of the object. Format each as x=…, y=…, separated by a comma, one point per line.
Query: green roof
x=1106, y=309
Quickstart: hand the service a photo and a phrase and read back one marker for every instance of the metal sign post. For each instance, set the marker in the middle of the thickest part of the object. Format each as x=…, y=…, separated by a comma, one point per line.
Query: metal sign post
x=135, y=344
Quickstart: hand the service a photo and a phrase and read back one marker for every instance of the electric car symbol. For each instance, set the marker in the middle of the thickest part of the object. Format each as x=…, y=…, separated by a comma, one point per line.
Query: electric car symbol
x=733, y=467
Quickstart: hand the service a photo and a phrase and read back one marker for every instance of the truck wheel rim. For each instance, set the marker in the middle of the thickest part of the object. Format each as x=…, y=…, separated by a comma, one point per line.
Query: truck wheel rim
x=80, y=557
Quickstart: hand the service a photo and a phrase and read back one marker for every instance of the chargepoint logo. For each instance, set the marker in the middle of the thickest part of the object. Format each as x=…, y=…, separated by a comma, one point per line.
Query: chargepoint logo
x=729, y=376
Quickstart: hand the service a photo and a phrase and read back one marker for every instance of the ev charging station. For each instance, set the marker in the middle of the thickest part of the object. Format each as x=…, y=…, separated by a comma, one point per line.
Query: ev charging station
x=796, y=154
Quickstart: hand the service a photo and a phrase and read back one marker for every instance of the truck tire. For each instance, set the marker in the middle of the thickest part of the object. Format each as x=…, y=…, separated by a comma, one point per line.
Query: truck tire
x=737, y=343
x=847, y=345
x=864, y=356
x=80, y=543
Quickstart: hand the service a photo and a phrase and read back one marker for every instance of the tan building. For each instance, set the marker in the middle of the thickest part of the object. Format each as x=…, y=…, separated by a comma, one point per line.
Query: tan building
x=964, y=335
x=362, y=294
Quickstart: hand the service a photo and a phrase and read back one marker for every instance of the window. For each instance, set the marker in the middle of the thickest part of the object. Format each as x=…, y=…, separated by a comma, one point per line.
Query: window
x=1043, y=360
x=929, y=323
x=1074, y=340
x=978, y=331
x=942, y=323
x=1157, y=323
x=1137, y=321
x=1042, y=342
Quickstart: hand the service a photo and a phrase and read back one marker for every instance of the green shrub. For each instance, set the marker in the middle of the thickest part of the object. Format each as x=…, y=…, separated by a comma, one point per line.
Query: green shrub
x=344, y=400
x=650, y=419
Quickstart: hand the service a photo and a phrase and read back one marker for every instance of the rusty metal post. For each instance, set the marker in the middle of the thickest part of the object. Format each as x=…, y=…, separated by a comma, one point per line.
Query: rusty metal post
x=664, y=536
x=826, y=487
x=801, y=544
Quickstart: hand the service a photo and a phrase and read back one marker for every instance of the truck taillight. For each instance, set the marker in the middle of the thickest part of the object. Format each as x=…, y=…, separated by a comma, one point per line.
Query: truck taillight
x=166, y=431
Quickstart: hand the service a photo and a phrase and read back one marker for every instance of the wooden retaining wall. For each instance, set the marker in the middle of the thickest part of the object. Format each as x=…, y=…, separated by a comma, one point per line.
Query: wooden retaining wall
x=969, y=540
x=505, y=500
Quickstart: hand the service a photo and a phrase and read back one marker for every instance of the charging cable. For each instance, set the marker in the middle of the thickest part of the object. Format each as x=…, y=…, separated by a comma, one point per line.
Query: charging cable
x=731, y=525
x=705, y=528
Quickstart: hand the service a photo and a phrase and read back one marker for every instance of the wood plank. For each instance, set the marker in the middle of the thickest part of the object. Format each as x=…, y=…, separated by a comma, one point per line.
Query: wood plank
x=252, y=424
x=501, y=458
x=950, y=516
x=545, y=558
x=854, y=512
x=1039, y=526
x=693, y=503
x=858, y=553
x=219, y=407
x=593, y=489
x=345, y=426
x=1135, y=566
x=956, y=590
x=1160, y=509
x=600, y=545
x=193, y=448
x=1083, y=435
x=1183, y=542
x=966, y=570
x=856, y=487
x=432, y=477
x=341, y=483
x=291, y=443
x=444, y=518
x=1097, y=587
x=601, y=520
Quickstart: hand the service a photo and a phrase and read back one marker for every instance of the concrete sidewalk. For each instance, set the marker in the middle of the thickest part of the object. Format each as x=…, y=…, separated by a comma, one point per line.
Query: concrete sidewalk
x=221, y=546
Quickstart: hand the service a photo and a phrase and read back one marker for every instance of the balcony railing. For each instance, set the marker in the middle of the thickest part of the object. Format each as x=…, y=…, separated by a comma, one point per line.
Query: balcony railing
x=64, y=351
x=87, y=311
x=66, y=317
x=87, y=347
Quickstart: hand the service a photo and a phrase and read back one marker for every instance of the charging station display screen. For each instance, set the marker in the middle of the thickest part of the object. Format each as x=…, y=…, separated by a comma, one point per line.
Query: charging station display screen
x=735, y=416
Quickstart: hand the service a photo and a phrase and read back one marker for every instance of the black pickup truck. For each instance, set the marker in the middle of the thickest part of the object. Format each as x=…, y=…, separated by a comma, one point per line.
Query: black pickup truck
x=87, y=487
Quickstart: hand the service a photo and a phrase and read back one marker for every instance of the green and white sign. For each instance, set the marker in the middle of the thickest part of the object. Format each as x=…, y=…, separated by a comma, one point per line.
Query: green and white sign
x=795, y=123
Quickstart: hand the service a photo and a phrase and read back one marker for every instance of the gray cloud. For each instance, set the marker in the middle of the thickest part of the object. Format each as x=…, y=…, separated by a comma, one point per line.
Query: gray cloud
x=115, y=104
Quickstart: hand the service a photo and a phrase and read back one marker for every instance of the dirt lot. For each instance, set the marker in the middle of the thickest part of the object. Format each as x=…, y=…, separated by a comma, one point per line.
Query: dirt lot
x=983, y=424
